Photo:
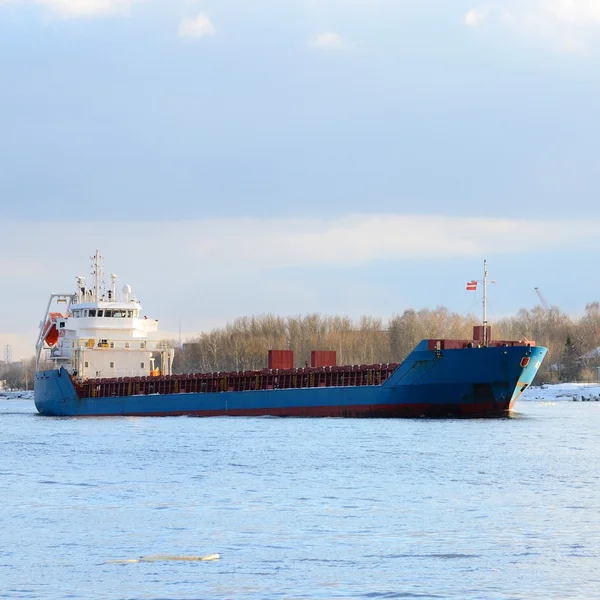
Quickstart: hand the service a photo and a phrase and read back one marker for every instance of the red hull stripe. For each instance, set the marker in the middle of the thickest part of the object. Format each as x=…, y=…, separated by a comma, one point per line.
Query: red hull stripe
x=356, y=411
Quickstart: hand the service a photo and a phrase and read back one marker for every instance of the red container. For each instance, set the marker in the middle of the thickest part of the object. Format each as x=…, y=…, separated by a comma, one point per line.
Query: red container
x=323, y=358
x=281, y=359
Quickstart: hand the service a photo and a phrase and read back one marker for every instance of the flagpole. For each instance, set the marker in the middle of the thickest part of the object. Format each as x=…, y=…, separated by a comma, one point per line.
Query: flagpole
x=485, y=340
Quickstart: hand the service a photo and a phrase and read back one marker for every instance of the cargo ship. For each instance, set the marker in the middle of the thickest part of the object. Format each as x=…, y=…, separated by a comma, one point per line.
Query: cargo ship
x=94, y=358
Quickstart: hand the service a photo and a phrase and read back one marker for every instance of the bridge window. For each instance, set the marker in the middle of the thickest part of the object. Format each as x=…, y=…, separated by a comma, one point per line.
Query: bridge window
x=100, y=313
x=108, y=313
x=92, y=312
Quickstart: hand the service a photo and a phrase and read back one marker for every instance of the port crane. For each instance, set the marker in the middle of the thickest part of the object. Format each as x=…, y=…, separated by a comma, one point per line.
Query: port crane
x=542, y=299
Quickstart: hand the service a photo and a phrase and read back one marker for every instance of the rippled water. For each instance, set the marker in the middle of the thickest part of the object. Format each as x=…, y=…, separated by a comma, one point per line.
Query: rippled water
x=301, y=508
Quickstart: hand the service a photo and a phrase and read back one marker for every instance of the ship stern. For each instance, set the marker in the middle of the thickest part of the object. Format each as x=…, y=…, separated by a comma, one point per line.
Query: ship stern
x=54, y=393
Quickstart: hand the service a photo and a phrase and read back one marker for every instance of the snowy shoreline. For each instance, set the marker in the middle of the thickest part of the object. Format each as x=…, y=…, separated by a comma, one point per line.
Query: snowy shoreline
x=563, y=392
x=16, y=395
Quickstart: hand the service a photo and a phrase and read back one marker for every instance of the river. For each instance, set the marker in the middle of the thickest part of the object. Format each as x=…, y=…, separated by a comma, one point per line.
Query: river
x=301, y=508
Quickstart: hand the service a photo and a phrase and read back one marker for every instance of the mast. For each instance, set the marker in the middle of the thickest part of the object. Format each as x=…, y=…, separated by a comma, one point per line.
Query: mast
x=485, y=321
x=98, y=274
x=113, y=287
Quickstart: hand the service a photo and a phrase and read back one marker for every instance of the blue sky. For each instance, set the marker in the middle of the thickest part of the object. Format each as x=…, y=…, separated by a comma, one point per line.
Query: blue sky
x=335, y=156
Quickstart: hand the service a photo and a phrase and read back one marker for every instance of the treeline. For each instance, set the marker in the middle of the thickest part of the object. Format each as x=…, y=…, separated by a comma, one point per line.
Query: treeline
x=244, y=343
x=17, y=375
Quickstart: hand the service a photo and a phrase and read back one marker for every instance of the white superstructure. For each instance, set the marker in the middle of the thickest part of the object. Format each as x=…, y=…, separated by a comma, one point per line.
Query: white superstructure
x=100, y=333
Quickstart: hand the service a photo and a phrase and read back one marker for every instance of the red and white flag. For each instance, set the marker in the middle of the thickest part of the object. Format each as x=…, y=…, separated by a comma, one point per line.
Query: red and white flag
x=472, y=286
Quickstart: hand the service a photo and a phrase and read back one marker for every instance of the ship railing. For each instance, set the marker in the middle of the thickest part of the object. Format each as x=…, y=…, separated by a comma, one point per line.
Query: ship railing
x=109, y=344
x=447, y=344
x=238, y=381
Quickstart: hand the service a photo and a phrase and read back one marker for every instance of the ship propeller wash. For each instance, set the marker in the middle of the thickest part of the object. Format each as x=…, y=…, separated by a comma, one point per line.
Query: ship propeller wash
x=94, y=358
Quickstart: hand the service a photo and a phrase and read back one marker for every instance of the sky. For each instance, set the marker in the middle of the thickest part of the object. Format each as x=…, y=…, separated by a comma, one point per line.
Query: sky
x=344, y=157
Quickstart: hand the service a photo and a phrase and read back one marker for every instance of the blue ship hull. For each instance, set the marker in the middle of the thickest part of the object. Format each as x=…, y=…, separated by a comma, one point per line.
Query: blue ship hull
x=465, y=382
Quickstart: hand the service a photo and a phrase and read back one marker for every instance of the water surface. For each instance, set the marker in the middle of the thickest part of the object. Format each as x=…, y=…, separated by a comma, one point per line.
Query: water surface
x=301, y=508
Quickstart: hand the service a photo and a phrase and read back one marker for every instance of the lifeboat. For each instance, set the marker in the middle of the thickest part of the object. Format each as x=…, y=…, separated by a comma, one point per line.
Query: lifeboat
x=50, y=331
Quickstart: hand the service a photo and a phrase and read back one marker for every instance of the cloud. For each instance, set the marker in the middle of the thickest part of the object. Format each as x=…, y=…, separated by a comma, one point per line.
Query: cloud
x=236, y=243
x=362, y=239
x=81, y=8
x=564, y=25
x=476, y=17
x=196, y=27
x=328, y=40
